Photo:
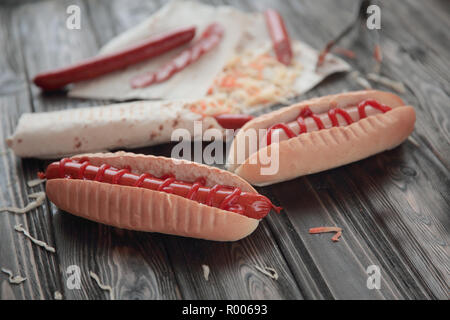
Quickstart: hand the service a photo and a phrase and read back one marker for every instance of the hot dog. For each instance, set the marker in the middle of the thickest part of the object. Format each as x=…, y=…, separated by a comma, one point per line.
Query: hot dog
x=156, y=194
x=321, y=134
x=57, y=134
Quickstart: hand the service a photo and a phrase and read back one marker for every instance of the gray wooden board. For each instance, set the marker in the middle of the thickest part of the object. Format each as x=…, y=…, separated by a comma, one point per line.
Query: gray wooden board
x=393, y=207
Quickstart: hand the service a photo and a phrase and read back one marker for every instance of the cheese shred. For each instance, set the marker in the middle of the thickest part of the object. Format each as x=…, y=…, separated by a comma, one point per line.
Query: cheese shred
x=13, y=279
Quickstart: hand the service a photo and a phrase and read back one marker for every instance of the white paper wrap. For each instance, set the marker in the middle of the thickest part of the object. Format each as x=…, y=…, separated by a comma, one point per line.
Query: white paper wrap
x=243, y=32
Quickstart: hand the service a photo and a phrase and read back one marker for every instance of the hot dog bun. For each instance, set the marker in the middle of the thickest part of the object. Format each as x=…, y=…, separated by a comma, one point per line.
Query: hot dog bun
x=316, y=151
x=147, y=210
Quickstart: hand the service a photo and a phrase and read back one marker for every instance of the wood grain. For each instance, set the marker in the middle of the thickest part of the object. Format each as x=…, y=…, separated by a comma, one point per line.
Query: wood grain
x=394, y=207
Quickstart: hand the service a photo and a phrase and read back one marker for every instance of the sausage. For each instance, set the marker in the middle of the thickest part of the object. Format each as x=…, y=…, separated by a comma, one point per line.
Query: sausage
x=228, y=198
x=209, y=39
x=97, y=66
x=280, y=38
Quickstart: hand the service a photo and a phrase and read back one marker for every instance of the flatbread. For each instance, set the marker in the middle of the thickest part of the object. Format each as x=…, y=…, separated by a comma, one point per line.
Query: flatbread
x=133, y=124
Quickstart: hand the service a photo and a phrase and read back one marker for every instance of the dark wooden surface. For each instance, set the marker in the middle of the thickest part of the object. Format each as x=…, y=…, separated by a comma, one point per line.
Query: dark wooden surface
x=394, y=207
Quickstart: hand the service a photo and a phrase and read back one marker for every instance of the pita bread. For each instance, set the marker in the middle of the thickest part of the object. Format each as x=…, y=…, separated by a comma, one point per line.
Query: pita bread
x=136, y=124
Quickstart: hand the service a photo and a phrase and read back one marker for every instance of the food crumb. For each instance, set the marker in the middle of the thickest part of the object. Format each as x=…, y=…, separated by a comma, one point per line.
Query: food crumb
x=39, y=196
x=19, y=228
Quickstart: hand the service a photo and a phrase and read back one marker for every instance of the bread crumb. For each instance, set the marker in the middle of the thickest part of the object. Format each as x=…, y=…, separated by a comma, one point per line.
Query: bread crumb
x=19, y=228
x=205, y=271
x=39, y=196
x=13, y=279
x=102, y=286
x=270, y=272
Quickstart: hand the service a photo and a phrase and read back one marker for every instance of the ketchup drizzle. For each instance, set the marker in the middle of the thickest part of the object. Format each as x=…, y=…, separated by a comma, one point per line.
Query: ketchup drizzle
x=118, y=175
x=141, y=179
x=101, y=172
x=82, y=169
x=167, y=182
x=332, y=114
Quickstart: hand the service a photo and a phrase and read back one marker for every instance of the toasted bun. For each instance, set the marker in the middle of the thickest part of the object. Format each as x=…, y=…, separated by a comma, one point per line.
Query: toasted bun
x=328, y=148
x=147, y=210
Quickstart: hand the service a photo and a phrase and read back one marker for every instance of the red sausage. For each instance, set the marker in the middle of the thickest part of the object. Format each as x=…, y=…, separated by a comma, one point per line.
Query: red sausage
x=208, y=40
x=233, y=121
x=101, y=65
x=228, y=198
x=279, y=35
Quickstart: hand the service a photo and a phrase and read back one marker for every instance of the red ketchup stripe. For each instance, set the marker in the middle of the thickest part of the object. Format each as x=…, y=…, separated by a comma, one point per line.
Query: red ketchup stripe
x=211, y=194
x=167, y=182
x=62, y=165
x=333, y=117
x=141, y=179
x=374, y=104
x=285, y=128
x=194, y=189
x=332, y=114
x=228, y=198
x=82, y=169
x=101, y=172
x=207, y=41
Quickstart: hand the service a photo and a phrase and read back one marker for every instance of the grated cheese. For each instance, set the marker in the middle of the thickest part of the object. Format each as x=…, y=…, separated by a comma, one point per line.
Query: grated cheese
x=57, y=295
x=35, y=182
x=19, y=228
x=13, y=279
x=39, y=196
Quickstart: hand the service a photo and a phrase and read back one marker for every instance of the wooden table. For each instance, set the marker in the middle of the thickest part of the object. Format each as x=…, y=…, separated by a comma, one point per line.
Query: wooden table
x=394, y=207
